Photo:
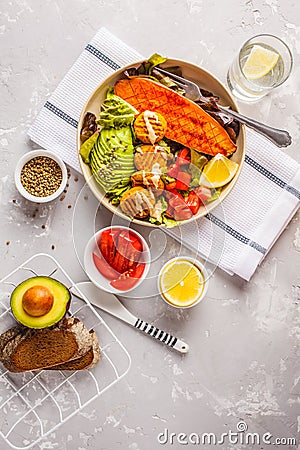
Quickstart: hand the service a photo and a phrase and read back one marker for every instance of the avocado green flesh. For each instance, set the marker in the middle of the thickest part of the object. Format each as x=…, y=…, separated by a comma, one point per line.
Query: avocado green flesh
x=61, y=296
x=109, y=153
x=112, y=158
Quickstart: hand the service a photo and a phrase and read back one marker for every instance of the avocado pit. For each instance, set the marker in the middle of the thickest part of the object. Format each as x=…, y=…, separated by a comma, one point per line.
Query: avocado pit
x=37, y=301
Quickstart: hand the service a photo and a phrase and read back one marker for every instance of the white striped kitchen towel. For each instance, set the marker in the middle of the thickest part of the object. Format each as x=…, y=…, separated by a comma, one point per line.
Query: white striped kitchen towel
x=238, y=234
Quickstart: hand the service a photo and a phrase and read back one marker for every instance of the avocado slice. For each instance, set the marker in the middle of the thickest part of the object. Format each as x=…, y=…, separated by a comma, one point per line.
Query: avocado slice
x=40, y=302
x=112, y=157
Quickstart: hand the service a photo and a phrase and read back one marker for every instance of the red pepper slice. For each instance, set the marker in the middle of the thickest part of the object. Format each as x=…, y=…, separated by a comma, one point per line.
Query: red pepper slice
x=103, y=243
x=107, y=244
x=128, y=251
x=183, y=157
x=129, y=279
x=136, y=247
x=120, y=261
x=132, y=248
x=183, y=181
x=104, y=268
x=171, y=186
x=193, y=202
x=136, y=242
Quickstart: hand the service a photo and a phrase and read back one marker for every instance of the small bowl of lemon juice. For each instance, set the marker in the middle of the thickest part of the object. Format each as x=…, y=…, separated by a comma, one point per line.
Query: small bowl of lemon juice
x=183, y=282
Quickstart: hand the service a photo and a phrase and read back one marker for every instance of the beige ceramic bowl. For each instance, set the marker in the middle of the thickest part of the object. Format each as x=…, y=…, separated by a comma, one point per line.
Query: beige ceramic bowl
x=190, y=71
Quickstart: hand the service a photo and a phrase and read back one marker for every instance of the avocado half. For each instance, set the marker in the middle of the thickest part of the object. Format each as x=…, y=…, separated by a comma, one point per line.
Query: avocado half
x=46, y=299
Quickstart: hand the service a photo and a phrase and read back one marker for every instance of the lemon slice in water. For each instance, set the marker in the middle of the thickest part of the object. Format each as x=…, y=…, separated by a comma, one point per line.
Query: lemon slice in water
x=182, y=283
x=218, y=171
x=260, y=62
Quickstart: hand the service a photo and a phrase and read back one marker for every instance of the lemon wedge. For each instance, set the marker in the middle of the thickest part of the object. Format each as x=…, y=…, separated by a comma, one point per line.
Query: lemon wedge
x=218, y=171
x=259, y=62
x=182, y=283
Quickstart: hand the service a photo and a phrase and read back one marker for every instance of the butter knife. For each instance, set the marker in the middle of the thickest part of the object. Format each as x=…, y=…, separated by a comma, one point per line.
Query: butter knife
x=111, y=304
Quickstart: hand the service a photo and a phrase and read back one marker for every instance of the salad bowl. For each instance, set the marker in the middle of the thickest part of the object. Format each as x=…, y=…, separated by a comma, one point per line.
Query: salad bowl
x=206, y=81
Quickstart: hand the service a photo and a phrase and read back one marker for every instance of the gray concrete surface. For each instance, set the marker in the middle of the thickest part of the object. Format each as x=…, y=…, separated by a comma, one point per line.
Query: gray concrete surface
x=243, y=363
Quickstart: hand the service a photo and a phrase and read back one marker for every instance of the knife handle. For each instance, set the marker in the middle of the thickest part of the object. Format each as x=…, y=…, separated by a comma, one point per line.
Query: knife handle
x=162, y=336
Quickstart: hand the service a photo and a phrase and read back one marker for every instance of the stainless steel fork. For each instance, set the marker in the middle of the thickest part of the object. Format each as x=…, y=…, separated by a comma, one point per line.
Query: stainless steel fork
x=281, y=138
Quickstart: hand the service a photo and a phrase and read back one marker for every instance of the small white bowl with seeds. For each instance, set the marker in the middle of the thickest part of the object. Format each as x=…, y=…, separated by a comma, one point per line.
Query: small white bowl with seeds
x=40, y=176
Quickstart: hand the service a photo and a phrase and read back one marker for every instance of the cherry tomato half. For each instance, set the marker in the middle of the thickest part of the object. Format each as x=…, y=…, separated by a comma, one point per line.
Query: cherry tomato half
x=183, y=181
x=193, y=202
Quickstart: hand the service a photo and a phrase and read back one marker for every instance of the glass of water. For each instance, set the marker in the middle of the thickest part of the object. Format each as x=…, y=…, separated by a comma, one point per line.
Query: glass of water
x=263, y=63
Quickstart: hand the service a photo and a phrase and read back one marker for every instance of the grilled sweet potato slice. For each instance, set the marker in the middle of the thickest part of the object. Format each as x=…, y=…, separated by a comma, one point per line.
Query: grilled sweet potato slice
x=187, y=122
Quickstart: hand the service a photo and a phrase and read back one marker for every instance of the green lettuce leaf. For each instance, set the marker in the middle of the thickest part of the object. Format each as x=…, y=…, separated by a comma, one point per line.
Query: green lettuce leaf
x=215, y=194
x=198, y=161
x=169, y=223
x=167, y=179
x=156, y=215
x=154, y=60
x=87, y=147
x=165, y=145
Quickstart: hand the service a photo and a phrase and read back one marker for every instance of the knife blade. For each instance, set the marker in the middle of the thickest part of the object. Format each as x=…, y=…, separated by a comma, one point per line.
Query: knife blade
x=111, y=304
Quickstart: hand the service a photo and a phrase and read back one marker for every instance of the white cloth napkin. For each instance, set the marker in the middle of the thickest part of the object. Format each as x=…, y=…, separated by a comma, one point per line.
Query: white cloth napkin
x=238, y=233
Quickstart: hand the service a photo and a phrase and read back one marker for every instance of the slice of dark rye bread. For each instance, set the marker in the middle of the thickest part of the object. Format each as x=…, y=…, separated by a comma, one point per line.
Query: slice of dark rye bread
x=88, y=361
x=7, y=336
x=23, y=349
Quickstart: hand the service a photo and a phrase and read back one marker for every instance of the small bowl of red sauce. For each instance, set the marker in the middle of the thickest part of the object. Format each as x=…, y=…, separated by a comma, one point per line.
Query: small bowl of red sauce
x=117, y=259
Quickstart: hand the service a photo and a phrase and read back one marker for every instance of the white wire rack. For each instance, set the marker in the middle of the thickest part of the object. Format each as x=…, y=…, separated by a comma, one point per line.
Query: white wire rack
x=34, y=404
